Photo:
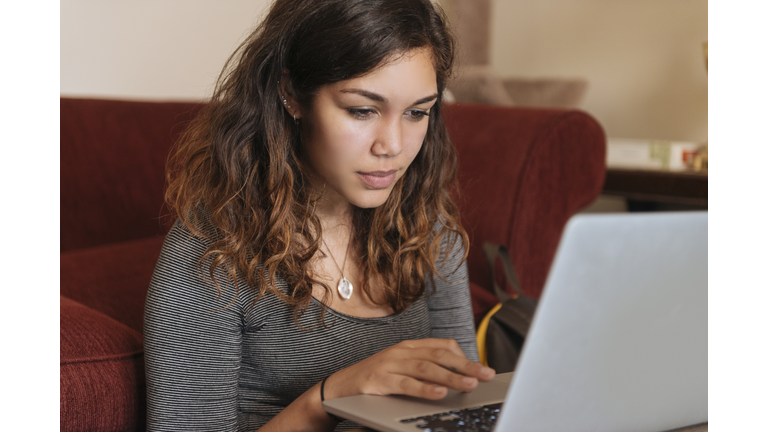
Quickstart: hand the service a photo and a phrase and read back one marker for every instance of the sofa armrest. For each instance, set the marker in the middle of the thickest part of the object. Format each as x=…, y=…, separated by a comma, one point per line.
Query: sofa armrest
x=102, y=386
x=112, y=279
x=523, y=172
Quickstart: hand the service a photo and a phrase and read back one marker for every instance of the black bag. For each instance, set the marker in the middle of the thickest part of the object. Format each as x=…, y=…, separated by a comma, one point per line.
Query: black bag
x=502, y=332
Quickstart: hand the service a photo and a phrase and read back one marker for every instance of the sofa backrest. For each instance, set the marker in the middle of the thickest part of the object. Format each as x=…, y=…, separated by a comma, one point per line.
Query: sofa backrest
x=523, y=173
x=113, y=156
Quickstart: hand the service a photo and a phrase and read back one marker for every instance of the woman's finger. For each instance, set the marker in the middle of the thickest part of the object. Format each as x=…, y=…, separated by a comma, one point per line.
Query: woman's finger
x=429, y=371
x=457, y=364
x=449, y=344
x=422, y=368
x=406, y=385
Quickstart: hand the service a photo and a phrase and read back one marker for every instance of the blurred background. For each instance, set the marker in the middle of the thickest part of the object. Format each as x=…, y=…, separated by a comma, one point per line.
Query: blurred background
x=637, y=66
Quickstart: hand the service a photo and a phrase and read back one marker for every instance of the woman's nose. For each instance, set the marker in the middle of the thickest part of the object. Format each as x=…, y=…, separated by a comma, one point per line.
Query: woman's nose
x=389, y=139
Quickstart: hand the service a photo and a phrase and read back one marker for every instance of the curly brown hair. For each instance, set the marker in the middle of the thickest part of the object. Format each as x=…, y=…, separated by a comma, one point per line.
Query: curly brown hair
x=239, y=166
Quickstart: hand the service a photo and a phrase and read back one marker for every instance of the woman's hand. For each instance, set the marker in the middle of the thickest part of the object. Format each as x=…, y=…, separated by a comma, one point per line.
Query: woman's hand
x=423, y=368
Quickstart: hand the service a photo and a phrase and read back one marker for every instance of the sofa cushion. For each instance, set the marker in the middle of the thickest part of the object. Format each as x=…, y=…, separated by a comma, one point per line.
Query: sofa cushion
x=546, y=92
x=479, y=84
x=102, y=385
x=112, y=279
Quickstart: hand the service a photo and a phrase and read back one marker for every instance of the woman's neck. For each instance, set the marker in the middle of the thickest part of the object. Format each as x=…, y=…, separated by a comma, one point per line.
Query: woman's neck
x=334, y=224
x=333, y=211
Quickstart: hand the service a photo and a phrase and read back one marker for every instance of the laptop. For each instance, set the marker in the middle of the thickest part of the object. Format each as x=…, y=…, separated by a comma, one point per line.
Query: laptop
x=618, y=342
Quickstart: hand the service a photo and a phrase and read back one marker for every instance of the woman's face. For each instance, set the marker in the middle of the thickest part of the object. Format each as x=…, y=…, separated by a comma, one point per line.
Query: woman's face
x=362, y=134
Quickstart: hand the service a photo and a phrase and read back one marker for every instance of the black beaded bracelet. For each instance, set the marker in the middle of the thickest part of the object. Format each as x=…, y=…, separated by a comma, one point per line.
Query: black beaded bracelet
x=322, y=399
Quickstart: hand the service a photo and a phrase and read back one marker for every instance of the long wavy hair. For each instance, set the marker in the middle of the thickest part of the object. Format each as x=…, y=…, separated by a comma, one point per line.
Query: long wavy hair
x=237, y=175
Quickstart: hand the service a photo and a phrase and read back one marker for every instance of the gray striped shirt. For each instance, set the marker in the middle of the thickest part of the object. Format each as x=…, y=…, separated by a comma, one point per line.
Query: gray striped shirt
x=221, y=363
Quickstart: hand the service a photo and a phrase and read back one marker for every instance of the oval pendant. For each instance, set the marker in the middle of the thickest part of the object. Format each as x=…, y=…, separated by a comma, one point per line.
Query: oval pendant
x=345, y=288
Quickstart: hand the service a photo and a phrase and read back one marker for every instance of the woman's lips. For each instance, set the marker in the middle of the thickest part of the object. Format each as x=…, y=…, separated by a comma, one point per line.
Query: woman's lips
x=378, y=179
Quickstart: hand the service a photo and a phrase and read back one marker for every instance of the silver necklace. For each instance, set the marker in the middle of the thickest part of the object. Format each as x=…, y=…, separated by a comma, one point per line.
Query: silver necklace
x=345, y=286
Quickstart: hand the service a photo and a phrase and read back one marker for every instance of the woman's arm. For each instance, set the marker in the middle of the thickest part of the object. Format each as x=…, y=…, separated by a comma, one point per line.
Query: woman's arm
x=192, y=340
x=423, y=368
x=450, y=304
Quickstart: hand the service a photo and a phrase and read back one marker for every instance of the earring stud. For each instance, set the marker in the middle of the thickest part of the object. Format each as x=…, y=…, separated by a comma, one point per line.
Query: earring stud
x=287, y=105
x=285, y=102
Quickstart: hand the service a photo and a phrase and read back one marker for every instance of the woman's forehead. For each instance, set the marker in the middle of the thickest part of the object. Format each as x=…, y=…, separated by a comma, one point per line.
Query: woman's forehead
x=409, y=74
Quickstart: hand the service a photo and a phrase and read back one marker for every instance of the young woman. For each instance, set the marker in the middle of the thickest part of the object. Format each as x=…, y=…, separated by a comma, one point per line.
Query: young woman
x=317, y=253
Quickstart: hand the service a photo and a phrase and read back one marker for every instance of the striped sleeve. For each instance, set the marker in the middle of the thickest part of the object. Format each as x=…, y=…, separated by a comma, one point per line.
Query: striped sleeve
x=450, y=305
x=192, y=339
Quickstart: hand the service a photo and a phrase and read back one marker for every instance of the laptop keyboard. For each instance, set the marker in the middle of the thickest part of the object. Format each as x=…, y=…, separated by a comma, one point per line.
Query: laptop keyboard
x=482, y=418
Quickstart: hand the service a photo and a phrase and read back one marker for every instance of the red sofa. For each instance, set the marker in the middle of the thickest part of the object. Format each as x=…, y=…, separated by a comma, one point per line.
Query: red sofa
x=523, y=172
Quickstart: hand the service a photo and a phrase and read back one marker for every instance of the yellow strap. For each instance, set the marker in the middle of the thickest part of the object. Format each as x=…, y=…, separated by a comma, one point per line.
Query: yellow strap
x=482, y=329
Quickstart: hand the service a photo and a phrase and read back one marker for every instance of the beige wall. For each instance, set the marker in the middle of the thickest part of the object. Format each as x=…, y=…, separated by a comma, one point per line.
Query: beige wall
x=642, y=57
x=150, y=49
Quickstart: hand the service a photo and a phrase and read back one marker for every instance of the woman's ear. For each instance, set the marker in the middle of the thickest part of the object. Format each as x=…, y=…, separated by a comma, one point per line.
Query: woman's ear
x=286, y=97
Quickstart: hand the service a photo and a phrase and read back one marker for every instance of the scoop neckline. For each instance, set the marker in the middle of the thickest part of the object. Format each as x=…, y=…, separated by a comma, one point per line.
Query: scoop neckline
x=364, y=320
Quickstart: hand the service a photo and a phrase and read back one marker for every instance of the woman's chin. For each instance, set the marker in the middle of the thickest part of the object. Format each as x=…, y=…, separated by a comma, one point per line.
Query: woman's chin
x=371, y=198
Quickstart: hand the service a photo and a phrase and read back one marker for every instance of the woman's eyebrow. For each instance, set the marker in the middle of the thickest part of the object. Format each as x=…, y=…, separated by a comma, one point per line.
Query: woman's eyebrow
x=364, y=93
x=426, y=99
x=379, y=98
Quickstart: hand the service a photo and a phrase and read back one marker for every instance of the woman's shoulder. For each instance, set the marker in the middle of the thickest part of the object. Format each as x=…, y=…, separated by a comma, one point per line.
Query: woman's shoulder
x=183, y=272
x=452, y=245
x=187, y=250
x=182, y=234
x=192, y=235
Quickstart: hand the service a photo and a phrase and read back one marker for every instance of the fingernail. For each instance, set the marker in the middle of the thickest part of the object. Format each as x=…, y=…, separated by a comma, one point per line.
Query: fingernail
x=468, y=380
x=487, y=371
x=437, y=389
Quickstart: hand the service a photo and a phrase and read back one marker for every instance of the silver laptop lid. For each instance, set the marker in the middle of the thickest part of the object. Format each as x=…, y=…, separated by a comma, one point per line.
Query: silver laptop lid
x=619, y=341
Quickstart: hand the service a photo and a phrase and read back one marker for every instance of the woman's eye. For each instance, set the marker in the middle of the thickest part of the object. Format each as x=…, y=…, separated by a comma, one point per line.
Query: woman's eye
x=416, y=115
x=360, y=113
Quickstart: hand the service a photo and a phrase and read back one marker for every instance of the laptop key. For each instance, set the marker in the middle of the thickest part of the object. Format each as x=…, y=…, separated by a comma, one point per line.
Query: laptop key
x=475, y=419
x=495, y=407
